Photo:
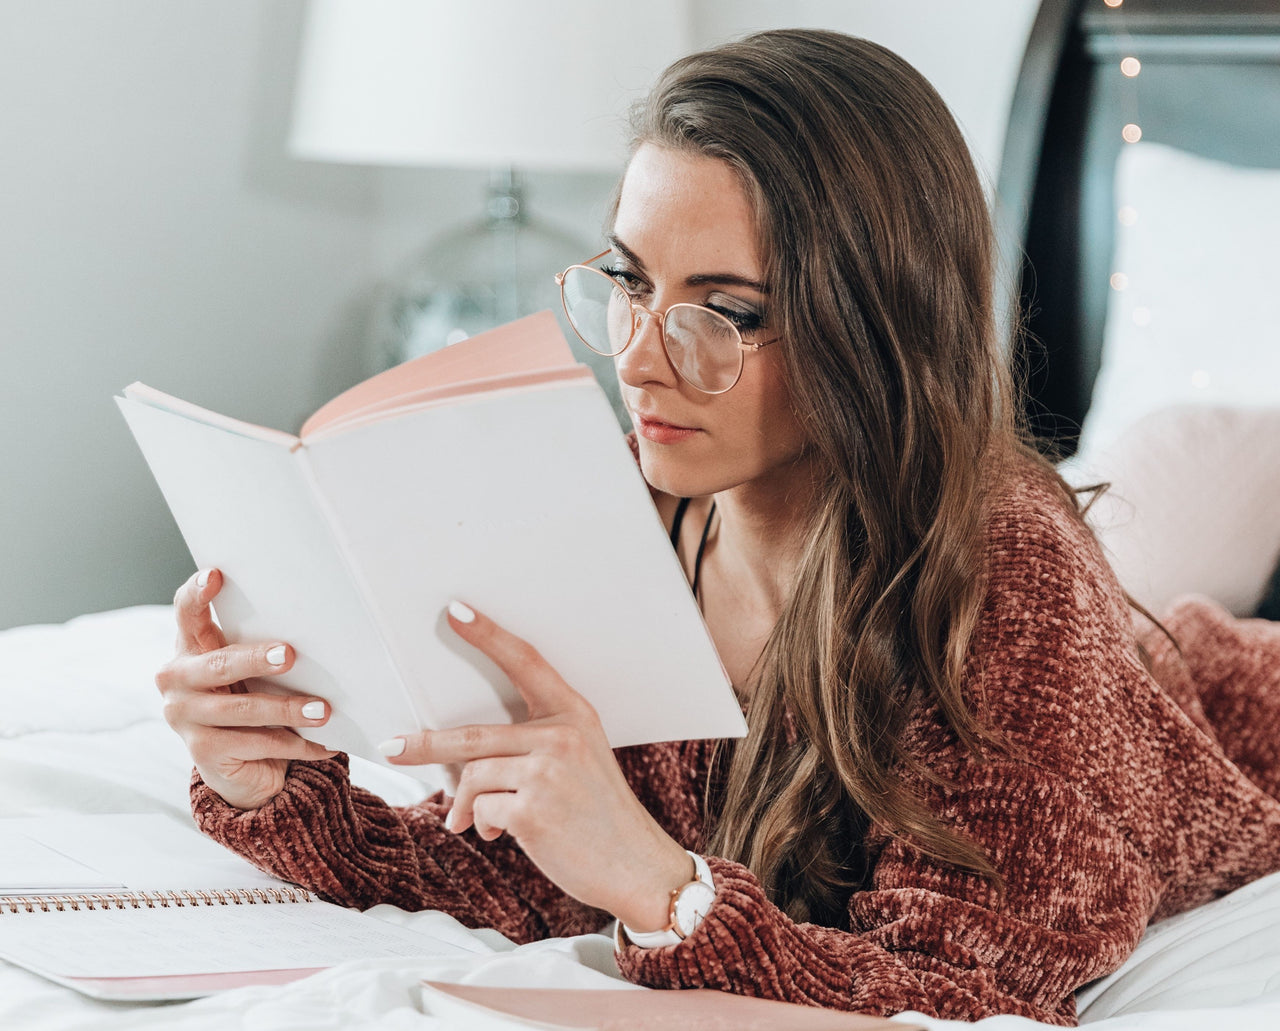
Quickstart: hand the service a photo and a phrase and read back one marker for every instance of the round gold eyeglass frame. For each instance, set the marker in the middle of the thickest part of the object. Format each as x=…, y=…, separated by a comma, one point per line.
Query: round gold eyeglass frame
x=660, y=318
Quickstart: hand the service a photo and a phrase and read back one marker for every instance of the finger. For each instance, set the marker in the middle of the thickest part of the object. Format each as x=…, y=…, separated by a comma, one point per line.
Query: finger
x=221, y=746
x=481, y=778
x=461, y=744
x=494, y=813
x=197, y=632
x=245, y=710
x=543, y=689
x=224, y=666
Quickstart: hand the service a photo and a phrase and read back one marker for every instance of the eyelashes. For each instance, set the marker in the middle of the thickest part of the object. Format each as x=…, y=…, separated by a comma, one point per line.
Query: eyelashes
x=629, y=282
x=744, y=320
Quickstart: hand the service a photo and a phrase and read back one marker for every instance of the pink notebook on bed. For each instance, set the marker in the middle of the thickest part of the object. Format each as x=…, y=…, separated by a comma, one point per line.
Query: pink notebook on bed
x=630, y=1009
x=140, y=907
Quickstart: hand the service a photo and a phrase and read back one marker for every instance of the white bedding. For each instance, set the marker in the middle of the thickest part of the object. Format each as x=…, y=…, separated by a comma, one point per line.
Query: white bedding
x=80, y=732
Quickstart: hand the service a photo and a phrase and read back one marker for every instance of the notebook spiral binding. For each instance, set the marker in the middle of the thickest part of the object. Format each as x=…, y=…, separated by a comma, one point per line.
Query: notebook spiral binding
x=152, y=900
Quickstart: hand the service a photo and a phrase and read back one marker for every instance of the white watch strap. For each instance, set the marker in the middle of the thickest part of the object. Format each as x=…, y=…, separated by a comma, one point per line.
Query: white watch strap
x=667, y=935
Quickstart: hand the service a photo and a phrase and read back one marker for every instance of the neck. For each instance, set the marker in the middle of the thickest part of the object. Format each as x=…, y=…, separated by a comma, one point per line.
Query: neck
x=760, y=540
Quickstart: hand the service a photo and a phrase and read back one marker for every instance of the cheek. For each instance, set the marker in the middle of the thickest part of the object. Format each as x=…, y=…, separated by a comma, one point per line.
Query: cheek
x=768, y=418
x=751, y=435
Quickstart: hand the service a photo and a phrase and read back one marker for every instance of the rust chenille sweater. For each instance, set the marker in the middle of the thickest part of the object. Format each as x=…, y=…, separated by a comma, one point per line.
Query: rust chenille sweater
x=1125, y=796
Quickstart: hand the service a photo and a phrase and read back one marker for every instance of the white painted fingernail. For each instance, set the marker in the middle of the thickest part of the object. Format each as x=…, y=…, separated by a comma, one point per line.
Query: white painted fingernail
x=449, y=820
x=393, y=747
x=203, y=579
x=461, y=613
x=275, y=656
x=313, y=711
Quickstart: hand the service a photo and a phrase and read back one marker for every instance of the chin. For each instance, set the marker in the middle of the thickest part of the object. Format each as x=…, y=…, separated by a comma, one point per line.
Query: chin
x=681, y=478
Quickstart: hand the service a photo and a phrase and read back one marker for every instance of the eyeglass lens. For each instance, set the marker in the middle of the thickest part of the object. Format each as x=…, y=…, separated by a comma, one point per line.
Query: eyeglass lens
x=702, y=346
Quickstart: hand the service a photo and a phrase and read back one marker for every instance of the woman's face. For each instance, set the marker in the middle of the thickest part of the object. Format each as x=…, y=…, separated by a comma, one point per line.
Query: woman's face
x=685, y=232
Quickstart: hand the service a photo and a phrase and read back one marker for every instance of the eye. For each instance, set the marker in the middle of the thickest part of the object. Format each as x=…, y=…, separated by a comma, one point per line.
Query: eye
x=745, y=320
x=631, y=284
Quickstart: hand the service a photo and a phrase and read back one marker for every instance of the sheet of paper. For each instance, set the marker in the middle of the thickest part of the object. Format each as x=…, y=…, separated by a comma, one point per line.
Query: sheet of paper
x=204, y=939
x=29, y=866
x=138, y=851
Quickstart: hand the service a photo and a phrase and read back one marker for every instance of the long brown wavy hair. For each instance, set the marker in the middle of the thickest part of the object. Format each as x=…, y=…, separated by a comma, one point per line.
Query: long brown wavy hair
x=879, y=261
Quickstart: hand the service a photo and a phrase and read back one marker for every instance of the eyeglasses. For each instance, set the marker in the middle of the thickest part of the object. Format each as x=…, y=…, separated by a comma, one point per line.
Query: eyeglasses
x=705, y=348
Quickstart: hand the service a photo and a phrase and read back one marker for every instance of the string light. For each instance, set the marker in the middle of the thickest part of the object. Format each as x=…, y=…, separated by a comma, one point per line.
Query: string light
x=1127, y=215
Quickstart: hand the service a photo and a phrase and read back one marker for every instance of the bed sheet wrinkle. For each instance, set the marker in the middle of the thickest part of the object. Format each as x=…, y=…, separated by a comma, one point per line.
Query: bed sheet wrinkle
x=96, y=672
x=1226, y=953
x=139, y=768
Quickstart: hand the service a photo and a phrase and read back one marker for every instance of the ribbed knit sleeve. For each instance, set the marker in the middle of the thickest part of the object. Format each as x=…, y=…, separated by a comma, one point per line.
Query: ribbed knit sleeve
x=1104, y=806
x=350, y=847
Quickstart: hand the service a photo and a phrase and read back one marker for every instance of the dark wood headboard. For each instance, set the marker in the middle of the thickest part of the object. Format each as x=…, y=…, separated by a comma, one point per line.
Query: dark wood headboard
x=1209, y=84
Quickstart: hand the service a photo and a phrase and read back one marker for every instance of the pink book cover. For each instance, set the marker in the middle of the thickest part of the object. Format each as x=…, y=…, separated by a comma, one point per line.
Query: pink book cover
x=631, y=1009
x=174, y=987
x=528, y=351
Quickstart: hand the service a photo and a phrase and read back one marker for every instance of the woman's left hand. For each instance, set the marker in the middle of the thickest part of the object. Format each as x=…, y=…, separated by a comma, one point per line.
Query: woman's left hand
x=553, y=784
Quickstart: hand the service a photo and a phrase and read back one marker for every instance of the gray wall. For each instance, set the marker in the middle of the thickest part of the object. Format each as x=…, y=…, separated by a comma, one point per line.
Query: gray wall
x=155, y=229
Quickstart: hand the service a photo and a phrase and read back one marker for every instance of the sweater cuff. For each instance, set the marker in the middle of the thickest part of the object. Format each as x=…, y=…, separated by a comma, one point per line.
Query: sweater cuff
x=322, y=781
x=739, y=899
x=290, y=836
x=748, y=946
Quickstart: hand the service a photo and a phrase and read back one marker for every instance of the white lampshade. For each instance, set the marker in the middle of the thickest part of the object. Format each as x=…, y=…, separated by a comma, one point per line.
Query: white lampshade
x=478, y=83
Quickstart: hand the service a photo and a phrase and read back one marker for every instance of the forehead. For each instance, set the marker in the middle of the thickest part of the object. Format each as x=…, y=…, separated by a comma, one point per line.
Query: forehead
x=688, y=209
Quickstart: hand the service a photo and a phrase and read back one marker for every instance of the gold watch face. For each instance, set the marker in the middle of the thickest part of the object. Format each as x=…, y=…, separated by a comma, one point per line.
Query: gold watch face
x=691, y=905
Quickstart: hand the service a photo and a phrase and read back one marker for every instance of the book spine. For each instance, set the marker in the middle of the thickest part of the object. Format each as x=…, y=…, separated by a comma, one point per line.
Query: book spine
x=339, y=538
x=152, y=899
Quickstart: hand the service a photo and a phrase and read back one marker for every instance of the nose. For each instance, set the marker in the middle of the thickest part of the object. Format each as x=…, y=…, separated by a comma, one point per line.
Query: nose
x=645, y=359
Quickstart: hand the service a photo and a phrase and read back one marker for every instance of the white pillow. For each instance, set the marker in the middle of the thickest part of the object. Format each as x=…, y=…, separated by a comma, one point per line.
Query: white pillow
x=1194, y=504
x=1199, y=318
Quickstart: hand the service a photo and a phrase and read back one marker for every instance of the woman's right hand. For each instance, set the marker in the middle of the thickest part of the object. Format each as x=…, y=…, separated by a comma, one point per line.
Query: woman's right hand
x=239, y=738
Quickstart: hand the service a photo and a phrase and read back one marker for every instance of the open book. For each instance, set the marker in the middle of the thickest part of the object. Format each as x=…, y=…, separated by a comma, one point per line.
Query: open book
x=140, y=907
x=493, y=472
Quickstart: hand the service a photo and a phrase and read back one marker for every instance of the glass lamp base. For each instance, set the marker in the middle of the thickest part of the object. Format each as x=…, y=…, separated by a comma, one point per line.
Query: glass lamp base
x=490, y=272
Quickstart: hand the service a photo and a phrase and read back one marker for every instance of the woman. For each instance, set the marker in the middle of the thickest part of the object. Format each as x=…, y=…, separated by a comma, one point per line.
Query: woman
x=962, y=791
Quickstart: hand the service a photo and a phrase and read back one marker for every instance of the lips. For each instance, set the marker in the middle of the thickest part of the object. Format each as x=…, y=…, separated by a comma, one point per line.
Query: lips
x=658, y=431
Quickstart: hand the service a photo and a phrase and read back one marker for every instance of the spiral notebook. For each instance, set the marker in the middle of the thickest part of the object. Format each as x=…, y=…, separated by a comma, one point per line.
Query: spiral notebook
x=141, y=907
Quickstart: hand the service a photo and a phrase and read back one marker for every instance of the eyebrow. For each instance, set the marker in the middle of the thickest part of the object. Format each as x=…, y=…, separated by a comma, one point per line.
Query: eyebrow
x=698, y=278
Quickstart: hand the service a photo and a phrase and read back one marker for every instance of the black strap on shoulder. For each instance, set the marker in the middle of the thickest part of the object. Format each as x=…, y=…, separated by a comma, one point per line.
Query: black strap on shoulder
x=702, y=546
x=682, y=506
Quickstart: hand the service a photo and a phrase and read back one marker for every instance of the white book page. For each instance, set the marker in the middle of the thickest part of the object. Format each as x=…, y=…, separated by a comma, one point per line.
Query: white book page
x=158, y=399
x=204, y=939
x=529, y=506
x=245, y=506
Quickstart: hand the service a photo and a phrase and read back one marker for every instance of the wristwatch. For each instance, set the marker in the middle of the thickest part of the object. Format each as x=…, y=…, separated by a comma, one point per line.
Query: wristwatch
x=689, y=904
